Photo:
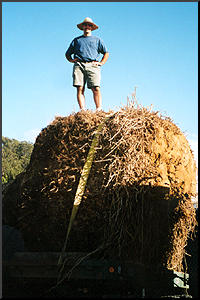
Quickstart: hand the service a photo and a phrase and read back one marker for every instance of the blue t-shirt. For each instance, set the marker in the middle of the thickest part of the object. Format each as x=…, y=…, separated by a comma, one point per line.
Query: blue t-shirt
x=86, y=48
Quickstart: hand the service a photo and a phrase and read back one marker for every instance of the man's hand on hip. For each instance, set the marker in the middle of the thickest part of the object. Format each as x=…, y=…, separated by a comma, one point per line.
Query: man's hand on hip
x=75, y=60
x=97, y=63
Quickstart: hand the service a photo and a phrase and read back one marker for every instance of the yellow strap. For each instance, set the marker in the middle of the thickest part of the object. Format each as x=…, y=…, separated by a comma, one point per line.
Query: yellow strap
x=82, y=182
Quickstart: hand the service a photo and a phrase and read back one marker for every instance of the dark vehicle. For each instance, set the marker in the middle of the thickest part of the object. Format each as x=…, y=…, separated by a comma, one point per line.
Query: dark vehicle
x=36, y=274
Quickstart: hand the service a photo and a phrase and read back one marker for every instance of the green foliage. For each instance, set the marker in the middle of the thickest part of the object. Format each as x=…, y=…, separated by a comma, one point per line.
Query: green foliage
x=15, y=157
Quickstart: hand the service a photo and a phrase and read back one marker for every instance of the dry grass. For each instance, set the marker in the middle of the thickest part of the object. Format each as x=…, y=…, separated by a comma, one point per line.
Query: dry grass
x=137, y=202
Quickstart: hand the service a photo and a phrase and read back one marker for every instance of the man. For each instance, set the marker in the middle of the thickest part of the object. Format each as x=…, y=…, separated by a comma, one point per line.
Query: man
x=86, y=49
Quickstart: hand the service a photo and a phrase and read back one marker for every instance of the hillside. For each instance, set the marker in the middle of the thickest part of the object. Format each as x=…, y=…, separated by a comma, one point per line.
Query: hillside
x=15, y=158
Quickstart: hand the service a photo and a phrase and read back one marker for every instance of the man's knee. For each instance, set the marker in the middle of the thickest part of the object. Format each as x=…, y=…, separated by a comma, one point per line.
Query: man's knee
x=96, y=89
x=80, y=89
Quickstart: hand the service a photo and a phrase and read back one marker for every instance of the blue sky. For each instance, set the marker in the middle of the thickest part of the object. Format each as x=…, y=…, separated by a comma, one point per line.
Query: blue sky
x=152, y=45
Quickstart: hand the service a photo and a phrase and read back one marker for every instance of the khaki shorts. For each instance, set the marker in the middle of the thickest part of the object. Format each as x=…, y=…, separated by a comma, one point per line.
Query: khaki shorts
x=86, y=72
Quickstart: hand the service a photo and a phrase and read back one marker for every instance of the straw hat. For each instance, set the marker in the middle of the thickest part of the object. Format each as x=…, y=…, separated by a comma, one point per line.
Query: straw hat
x=87, y=20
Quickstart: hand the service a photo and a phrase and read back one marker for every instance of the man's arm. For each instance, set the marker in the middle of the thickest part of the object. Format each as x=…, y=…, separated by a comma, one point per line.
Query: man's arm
x=69, y=52
x=70, y=59
x=104, y=58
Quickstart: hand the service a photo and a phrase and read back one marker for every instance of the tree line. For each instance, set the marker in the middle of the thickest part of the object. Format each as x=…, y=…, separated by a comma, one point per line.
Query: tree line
x=15, y=158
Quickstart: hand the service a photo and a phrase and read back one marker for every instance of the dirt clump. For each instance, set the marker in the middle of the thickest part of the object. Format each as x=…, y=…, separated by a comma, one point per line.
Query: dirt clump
x=137, y=202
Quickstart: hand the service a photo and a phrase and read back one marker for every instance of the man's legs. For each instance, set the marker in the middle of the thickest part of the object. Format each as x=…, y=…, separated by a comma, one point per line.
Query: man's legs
x=81, y=96
x=97, y=97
